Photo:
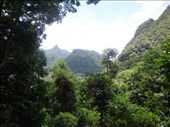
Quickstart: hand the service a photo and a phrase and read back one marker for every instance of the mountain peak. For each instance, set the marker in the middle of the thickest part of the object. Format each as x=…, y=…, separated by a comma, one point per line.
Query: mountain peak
x=143, y=27
x=166, y=13
x=55, y=54
x=148, y=35
x=85, y=53
x=55, y=48
x=84, y=61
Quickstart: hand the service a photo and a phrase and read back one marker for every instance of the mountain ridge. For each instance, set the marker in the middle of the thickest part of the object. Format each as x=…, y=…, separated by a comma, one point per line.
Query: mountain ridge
x=84, y=61
x=151, y=35
x=54, y=54
x=79, y=60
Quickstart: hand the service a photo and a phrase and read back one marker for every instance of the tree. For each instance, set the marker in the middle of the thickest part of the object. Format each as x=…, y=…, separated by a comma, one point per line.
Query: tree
x=20, y=68
x=149, y=85
x=63, y=98
x=22, y=24
x=163, y=63
x=109, y=56
x=65, y=120
x=87, y=118
x=100, y=93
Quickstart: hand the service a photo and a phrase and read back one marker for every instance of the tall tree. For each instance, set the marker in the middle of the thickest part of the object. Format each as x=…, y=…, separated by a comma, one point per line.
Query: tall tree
x=150, y=83
x=63, y=97
x=22, y=24
x=109, y=56
x=100, y=92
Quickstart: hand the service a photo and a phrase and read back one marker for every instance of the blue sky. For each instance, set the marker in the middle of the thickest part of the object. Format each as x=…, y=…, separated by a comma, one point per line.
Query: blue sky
x=109, y=24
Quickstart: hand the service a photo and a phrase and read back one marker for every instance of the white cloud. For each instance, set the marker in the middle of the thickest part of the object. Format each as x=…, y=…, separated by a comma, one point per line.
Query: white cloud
x=92, y=35
x=147, y=10
x=87, y=33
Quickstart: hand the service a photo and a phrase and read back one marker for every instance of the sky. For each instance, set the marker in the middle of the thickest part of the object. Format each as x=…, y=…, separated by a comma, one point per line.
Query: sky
x=109, y=24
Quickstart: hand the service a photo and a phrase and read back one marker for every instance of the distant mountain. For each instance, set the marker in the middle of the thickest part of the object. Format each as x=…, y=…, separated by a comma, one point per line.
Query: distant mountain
x=143, y=27
x=148, y=35
x=55, y=54
x=79, y=61
x=84, y=61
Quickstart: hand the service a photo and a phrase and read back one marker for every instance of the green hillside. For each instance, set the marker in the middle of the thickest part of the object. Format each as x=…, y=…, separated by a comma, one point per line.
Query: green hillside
x=79, y=61
x=148, y=35
x=55, y=54
x=84, y=61
x=133, y=91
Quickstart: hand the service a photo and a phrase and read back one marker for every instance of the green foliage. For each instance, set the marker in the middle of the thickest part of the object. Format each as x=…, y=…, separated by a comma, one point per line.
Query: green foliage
x=84, y=61
x=62, y=98
x=22, y=90
x=124, y=76
x=99, y=93
x=123, y=113
x=60, y=67
x=88, y=118
x=108, y=60
x=149, y=84
x=164, y=61
x=80, y=64
x=98, y=88
x=65, y=120
x=141, y=117
x=118, y=114
x=138, y=97
x=148, y=35
x=21, y=68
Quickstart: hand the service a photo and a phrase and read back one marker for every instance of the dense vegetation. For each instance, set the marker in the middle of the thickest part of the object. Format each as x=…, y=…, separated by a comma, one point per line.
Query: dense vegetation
x=148, y=35
x=84, y=61
x=22, y=89
x=138, y=97
x=79, y=61
x=116, y=96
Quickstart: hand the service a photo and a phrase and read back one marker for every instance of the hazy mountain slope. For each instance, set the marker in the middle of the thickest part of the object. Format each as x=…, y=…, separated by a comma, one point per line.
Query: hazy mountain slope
x=84, y=61
x=55, y=54
x=148, y=35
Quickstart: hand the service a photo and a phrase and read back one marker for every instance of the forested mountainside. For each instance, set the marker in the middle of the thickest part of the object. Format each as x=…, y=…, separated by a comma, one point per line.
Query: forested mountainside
x=84, y=61
x=79, y=61
x=55, y=54
x=148, y=35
